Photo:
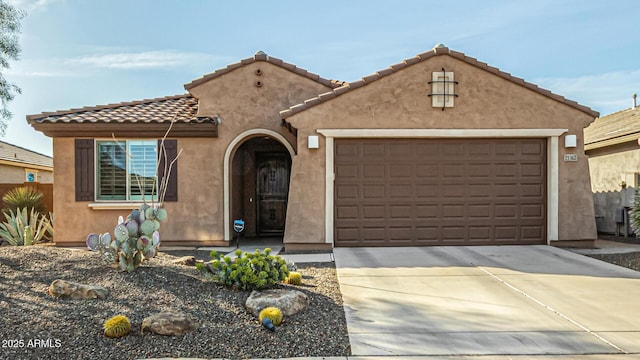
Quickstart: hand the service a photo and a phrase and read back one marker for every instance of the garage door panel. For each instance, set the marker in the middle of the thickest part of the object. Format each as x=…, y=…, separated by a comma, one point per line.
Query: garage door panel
x=480, y=211
x=347, y=191
x=480, y=170
x=373, y=191
x=532, y=170
x=532, y=190
x=347, y=212
x=401, y=212
x=532, y=148
x=453, y=170
x=373, y=149
x=374, y=170
x=401, y=171
x=399, y=149
x=508, y=148
x=427, y=170
x=427, y=191
x=479, y=149
x=410, y=192
x=376, y=212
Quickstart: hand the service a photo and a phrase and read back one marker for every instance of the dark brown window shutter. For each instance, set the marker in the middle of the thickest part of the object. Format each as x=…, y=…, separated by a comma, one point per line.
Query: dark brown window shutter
x=85, y=172
x=171, y=151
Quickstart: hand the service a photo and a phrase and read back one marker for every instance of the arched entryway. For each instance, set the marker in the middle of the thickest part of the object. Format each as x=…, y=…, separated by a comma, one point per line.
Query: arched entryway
x=257, y=171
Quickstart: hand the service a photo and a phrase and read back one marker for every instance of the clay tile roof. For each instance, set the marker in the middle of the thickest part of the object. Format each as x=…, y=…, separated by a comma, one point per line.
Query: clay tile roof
x=260, y=56
x=438, y=50
x=27, y=157
x=620, y=125
x=183, y=107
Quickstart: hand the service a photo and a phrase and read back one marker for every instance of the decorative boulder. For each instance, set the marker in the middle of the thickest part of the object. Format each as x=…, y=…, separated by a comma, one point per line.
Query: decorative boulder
x=185, y=260
x=290, y=302
x=169, y=323
x=69, y=289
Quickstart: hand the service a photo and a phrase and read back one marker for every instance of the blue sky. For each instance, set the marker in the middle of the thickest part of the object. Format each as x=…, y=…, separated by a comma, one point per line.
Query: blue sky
x=87, y=52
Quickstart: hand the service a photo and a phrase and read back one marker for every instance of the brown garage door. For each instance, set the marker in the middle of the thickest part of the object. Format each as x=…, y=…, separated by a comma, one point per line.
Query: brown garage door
x=413, y=192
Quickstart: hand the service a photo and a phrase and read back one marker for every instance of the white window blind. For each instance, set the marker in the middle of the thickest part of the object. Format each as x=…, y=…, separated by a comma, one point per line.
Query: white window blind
x=126, y=170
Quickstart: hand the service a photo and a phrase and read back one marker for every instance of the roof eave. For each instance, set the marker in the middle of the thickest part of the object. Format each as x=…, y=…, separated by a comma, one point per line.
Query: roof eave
x=205, y=129
x=631, y=137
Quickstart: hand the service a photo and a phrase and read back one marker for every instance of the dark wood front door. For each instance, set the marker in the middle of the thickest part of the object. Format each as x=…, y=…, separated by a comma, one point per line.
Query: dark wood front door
x=272, y=187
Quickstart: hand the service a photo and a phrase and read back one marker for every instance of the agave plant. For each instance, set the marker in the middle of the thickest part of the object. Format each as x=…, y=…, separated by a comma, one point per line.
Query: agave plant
x=22, y=228
x=23, y=197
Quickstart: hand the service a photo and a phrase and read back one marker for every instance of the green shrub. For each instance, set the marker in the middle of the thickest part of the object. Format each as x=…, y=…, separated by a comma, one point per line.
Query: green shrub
x=22, y=228
x=259, y=270
x=23, y=197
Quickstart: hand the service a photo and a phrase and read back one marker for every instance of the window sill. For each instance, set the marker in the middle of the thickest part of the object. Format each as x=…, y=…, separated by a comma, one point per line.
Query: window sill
x=115, y=205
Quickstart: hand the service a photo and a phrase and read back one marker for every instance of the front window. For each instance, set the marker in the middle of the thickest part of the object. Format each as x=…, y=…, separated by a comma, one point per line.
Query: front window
x=126, y=170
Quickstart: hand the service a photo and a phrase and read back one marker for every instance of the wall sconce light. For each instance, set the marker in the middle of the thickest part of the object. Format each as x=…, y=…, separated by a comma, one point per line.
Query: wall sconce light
x=313, y=142
x=570, y=141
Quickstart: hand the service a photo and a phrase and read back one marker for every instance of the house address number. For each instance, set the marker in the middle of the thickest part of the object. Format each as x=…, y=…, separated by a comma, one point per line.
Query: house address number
x=570, y=157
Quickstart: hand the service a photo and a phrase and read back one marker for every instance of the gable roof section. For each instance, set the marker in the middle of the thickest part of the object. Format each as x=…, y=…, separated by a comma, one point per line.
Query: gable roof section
x=183, y=107
x=261, y=56
x=17, y=155
x=616, y=128
x=437, y=51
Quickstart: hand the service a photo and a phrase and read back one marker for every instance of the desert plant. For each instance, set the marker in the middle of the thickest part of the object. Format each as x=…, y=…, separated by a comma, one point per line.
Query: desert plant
x=23, y=197
x=294, y=278
x=272, y=313
x=23, y=228
x=135, y=239
x=118, y=326
x=247, y=271
x=634, y=214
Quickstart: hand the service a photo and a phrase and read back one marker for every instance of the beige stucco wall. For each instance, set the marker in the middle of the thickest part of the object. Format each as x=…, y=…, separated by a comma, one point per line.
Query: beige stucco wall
x=608, y=167
x=400, y=101
x=198, y=215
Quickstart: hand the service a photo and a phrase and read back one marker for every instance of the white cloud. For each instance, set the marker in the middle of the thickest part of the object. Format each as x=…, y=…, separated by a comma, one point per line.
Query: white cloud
x=139, y=60
x=147, y=60
x=128, y=61
x=606, y=93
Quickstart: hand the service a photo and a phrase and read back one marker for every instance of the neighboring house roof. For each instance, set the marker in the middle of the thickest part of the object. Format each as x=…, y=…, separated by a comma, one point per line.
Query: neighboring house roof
x=438, y=50
x=23, y=157
x=261, y=56
x=616, y=128
x=183, y=107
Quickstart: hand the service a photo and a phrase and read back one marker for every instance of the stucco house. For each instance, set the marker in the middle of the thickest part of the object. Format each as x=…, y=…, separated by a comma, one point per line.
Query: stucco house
x=19, y=165
x=439, y=149
x=612, y=145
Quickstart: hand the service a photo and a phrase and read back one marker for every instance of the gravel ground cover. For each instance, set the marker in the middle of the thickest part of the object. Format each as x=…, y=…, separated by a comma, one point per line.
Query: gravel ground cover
x=35, y=325
x=628, y=260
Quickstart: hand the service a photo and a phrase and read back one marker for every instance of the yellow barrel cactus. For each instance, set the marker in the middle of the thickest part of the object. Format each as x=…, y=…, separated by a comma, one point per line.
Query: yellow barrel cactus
x=272, y=313
x=118, y=326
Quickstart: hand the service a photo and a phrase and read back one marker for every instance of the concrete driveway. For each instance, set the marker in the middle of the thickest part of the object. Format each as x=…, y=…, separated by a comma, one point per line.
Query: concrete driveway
x=487, y=300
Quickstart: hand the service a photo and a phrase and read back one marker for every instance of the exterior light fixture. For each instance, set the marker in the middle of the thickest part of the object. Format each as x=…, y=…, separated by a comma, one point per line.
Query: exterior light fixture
x=570, y=141
x=442, y=89
x=313, y=142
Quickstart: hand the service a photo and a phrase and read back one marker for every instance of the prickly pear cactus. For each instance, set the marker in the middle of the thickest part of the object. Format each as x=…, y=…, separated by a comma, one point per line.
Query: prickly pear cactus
x=135, y=239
